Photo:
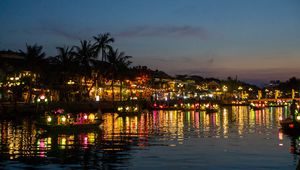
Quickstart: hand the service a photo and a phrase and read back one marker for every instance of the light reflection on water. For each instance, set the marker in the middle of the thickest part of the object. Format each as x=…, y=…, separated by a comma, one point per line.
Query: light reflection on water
x=233, y=138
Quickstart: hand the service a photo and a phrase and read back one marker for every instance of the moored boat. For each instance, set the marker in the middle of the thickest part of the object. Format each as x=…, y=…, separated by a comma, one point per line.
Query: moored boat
x=60, y=121
x=290, y=126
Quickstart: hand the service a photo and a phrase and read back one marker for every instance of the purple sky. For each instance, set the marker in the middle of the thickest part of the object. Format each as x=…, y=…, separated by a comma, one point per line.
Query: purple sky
x=257, y=40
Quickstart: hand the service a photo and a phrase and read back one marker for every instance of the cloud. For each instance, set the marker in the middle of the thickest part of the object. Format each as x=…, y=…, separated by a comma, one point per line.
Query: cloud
x=58, y=29
x=171, y=31
x=62, y=33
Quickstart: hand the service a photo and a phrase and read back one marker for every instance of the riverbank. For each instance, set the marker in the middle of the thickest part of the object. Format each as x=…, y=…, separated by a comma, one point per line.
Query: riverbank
x=15, y=109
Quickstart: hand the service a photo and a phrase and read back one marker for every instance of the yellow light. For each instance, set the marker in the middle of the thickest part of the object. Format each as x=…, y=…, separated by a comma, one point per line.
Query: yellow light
x=63, y=119
x=120, y=108
x=49, y=140
x=91, y=116
x=49, y=119
x=63, y=141
x=127, y=108
x=298, y=117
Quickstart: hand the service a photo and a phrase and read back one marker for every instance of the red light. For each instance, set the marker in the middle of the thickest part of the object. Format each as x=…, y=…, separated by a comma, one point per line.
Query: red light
x=291, y=126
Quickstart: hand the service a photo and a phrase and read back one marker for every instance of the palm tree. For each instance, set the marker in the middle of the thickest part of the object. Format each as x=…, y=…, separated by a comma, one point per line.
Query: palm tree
x=100, y=69
x=84, y=54
x=123, y=72
x=117, y=61
x=34, y=57
x=34, y=61
x=65, y=65
x=102, y=44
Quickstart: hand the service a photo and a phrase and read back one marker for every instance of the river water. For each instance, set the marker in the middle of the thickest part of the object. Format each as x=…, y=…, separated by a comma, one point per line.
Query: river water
x=233, y=138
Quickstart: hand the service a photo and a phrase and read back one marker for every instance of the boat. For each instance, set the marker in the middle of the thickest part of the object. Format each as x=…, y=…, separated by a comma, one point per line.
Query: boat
x=62, y=122
x=291, y=126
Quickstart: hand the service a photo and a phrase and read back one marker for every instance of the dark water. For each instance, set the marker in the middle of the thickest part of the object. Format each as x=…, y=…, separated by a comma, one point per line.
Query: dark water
x=234, y=138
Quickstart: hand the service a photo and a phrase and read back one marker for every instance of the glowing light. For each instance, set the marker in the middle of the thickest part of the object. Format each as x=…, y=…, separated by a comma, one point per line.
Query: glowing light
x=280, y=136
x=85, y=117
x=49, y=119
x=42, y=97
x=97, y=98
x=298, y=117
x=291, y=125
x=91, y=116
x=63, y=119
x=63, y=141
x=120, y=108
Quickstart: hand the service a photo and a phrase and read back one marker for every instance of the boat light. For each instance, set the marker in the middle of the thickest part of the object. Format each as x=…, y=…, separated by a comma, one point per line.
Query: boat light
x=91, y=116
x=42, y=97
x=49, y=119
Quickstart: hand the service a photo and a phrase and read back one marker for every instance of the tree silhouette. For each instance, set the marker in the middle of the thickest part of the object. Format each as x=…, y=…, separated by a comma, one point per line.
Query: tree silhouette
x=102, y=44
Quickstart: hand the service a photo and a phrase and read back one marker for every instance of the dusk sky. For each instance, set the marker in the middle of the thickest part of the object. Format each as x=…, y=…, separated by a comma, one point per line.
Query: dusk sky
x=257, y=40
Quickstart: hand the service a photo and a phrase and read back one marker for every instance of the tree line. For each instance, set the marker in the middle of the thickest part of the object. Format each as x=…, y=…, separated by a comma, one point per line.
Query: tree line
x=92, y=61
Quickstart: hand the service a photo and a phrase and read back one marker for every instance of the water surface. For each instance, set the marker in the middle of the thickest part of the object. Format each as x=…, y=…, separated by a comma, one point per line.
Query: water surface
x=234, y=138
